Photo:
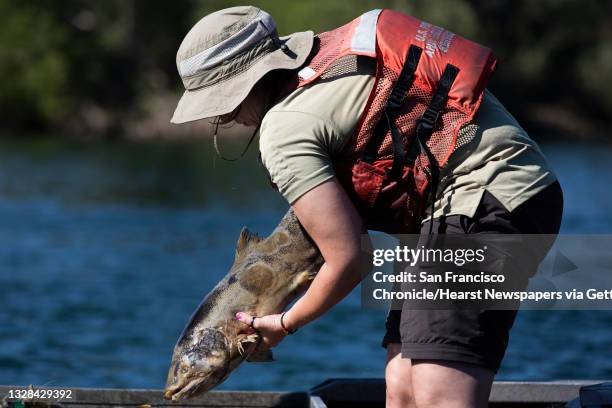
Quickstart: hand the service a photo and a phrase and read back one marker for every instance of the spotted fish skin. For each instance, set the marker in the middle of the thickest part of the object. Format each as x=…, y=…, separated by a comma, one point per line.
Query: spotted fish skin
x=267, y=275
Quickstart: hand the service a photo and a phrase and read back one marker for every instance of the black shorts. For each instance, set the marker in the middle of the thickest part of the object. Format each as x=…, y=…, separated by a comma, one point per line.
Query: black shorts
x=473, y=336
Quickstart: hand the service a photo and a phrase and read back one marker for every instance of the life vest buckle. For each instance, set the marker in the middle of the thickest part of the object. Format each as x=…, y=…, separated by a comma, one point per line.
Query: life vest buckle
x=429, y=118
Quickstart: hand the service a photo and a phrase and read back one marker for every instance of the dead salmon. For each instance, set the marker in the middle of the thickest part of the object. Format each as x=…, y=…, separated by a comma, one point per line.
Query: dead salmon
x=267, y=275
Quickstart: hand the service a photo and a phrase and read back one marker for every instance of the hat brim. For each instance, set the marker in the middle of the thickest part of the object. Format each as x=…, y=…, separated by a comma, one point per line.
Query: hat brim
x=225, y=96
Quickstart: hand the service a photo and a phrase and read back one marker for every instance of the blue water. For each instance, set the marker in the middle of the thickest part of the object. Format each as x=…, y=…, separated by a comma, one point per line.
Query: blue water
x=106, y=250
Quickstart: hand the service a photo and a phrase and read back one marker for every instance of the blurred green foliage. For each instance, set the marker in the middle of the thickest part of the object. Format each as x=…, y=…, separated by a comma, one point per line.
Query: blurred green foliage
x=64, y=63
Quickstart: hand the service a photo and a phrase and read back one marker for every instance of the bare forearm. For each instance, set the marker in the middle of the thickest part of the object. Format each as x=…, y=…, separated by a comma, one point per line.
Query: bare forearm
x=329, y=287
x=334, y=224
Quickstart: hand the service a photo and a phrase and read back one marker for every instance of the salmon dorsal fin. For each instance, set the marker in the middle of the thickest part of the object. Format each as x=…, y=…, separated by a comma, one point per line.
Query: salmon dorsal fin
x=246, y=239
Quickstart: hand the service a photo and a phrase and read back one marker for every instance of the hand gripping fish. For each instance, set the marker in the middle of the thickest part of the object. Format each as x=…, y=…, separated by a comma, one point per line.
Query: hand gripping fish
x=267, y=275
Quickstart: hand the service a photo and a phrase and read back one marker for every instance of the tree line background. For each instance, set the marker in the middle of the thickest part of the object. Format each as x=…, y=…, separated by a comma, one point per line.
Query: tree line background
x=90, y=69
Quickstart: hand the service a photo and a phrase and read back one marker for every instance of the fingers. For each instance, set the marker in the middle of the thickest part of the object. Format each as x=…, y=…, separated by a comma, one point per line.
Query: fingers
x=255, y=322
x=252, y=322
x=268, y=328
x=248, y=320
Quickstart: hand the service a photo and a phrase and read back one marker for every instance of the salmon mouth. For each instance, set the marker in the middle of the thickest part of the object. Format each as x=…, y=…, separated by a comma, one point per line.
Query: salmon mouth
x=189, y=390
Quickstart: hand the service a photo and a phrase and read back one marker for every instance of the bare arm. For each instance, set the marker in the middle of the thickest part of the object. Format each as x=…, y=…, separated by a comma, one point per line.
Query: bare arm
x=335, y=226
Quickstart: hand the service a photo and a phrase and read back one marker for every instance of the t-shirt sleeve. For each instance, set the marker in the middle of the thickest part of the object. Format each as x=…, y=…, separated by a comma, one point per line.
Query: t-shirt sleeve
x=296, y=149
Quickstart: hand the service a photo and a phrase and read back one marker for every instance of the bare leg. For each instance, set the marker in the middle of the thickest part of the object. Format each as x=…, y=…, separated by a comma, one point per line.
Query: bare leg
x=450, y=384
x=398, y=379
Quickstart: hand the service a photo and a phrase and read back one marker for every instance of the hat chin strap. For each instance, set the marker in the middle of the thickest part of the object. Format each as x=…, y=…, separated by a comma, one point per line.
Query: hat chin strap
x=246, y=148
x=268, y=104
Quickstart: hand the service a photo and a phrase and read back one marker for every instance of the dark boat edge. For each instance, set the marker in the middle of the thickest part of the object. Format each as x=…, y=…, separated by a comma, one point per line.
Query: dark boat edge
x=332, y=393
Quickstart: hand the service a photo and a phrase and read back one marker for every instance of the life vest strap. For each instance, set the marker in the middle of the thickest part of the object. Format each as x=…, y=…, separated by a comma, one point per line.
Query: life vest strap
x=400, y=90
x=426, y=125
x=438, y=101
x=391, y=111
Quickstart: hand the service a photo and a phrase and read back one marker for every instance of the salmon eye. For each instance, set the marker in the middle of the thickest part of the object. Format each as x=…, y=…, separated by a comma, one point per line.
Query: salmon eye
x=184, y=370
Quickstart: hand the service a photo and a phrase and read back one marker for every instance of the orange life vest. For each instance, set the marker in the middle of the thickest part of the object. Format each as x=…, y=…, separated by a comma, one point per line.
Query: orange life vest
x=429, y=82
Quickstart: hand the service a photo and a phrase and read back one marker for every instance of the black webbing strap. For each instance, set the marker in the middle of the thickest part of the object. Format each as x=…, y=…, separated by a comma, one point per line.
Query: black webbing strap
x=390, y=113
x=426, y=125
x=430, y=117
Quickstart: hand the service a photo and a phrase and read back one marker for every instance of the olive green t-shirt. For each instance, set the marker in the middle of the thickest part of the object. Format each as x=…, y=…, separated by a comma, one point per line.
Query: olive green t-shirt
x=302, y=135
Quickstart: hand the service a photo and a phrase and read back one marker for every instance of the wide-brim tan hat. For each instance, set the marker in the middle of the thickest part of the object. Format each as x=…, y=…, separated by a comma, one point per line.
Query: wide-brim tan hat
x=226, y=53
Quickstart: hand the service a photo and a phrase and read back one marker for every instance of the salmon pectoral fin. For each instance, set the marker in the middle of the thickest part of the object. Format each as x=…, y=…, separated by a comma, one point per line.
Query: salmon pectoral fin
x=261, y=356
x=248, y=340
